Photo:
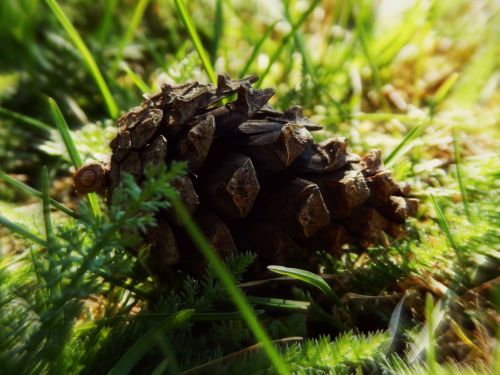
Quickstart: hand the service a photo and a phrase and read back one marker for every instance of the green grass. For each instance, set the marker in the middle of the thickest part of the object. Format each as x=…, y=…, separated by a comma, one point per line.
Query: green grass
x=88, y=59
x=193, y=34
x=74, y=300
x=228, y=281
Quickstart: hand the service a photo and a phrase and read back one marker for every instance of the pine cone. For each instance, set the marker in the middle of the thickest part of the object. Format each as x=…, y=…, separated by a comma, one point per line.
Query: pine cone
x=257, y=181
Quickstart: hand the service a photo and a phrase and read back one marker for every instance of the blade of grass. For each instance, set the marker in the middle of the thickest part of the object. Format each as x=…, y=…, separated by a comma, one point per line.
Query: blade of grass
x=443, y=224
x=146, y=342
x=467, y=90
x=135, y=78
x=463, y=193
x=49, y=227
x=74, y=155
x=50, y=234
x=105, y=26
x=211, y=366
x=193, y=34
x=197, y=317
x=229, y=283
x=25, y=119
x=434, y=316
x=286, y=39
x=445, y=88
x=139, y=10
x=431, y=346
x=373, y=66
x=218, y=30
x=388, y=46
x=307, y=277
x=30, y=191
x=280, y=303
x=256, y=49
x=88, y=59
x=395, y=325
x=412, y=134
x=298, y=39
x=21, y=231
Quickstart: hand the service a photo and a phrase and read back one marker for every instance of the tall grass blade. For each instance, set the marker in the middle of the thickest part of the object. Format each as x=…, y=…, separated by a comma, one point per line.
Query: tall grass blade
x=21, y=231
x=139, y=10
x=230, y=284
x=279, y=303
x=434, y=316
x=431, y=346
x=467, y=90
x=107, y=20
x=87, y=57
x=458, y=167
x=193, y=34
x=146, y=342
x=256, y=49
x=25, y=119
x=74, y=155
x=136, y=79
x=49, y=226
x=445, y=88
x=286, y=39
x=371, y=62
x=412, y=134
x=307, y=277
x=33, y=192
x=395, y=325
x=218, y=30
x=443, y=223
x=300, y=44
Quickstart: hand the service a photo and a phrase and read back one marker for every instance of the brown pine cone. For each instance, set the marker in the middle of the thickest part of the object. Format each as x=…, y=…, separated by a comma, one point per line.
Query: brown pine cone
x=257, y=180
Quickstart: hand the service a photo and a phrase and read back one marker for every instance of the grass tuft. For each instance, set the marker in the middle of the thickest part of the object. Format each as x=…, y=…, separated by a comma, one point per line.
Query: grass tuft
x=193, y=34
x=87, y=57
x=74, y=155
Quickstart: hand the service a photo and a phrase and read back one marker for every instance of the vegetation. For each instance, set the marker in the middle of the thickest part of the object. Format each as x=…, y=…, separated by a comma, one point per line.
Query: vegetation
x=417, y=80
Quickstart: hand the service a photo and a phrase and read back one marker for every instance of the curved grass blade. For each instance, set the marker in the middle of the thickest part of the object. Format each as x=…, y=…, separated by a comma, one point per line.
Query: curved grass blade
x=146, y=342
x=443, y=223
x=74, y=155
x=299, y=43
x=49, y=226
x=286, y=39
x=307, y=277
x=373, y=66
x=434, y=316
x=25, y=119
x=30, y=191
x=395, y=325
x=22, y=231
x=229, y=283
x=193, y=34
x=88, y=59
x=132, y=27
x=257, y=48
x=445, y=88
x=107, y=20
x=218, y=30
x=208, y=367
x=431, y=343
x=412, y=134
x=136, y=79
x=458, y=167
x=279, y=303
